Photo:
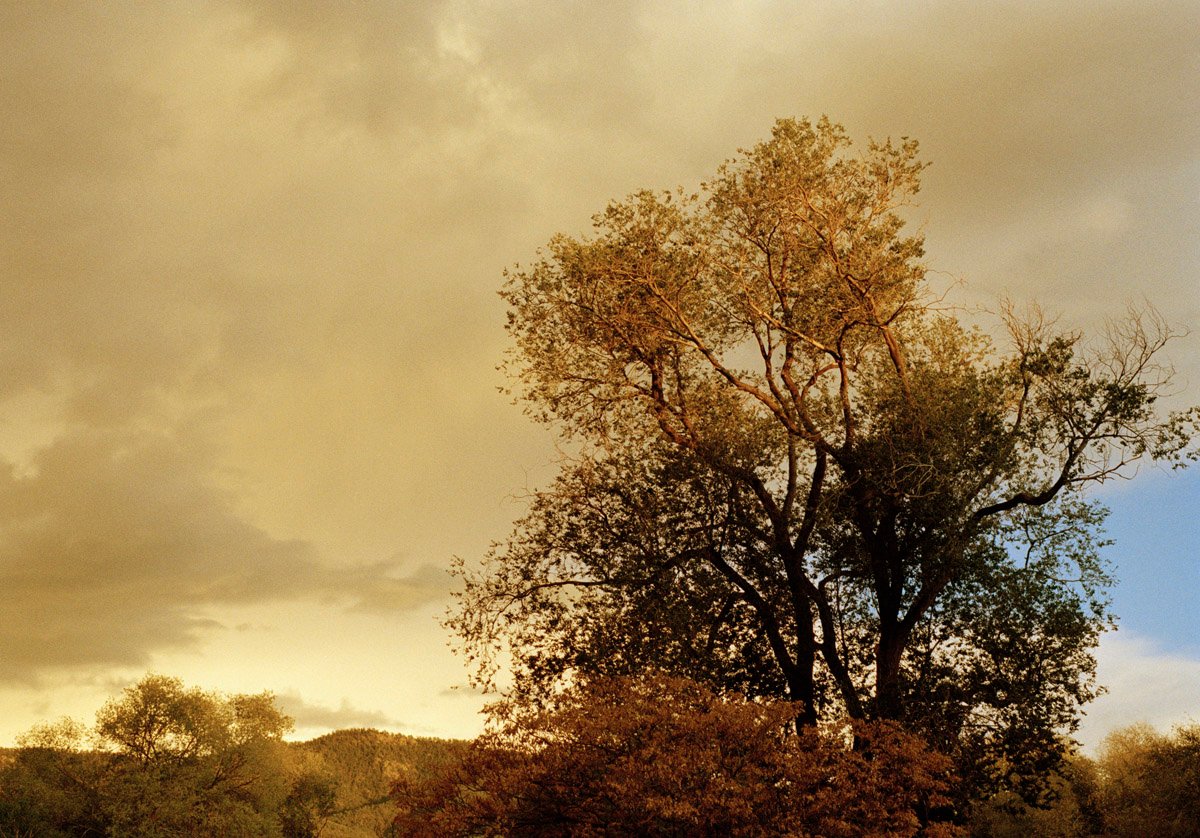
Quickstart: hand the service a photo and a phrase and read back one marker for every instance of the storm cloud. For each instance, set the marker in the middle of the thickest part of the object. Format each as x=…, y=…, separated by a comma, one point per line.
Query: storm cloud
x=112, y=544
x=248, y=322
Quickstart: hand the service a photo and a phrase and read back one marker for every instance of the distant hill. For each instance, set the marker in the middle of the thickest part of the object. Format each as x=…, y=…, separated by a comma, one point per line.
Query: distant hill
x=361, y=766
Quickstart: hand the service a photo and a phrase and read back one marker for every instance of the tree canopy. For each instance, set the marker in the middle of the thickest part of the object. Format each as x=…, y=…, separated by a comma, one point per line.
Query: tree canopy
x=163, y=759
x=795, y=473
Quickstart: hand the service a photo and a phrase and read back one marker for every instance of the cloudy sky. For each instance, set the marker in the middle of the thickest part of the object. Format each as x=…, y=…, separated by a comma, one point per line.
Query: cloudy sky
x=249, y=406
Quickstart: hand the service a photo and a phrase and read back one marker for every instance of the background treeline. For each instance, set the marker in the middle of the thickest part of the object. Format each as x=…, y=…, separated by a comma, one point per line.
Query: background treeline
x=652, y=755
x=1143, y=782
x=167, y=760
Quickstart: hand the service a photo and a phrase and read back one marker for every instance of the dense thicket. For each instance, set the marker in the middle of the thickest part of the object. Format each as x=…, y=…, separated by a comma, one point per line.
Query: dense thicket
x=661, y=756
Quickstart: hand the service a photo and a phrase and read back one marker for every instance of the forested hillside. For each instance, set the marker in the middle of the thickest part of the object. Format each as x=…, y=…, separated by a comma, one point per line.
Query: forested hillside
x=360, y=767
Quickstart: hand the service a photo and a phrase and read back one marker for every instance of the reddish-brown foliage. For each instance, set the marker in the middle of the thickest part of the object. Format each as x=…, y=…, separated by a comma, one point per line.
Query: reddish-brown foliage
x=665, y=756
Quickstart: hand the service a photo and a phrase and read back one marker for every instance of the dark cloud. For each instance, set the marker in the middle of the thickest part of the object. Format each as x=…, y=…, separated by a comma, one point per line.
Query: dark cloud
x=376, y=590
x=1063, y=136
x=71, y=73
x=111, y=546
x=463, y=691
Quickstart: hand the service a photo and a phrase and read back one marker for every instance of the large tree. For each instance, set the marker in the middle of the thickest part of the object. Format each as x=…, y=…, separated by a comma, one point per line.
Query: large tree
x=794, y=472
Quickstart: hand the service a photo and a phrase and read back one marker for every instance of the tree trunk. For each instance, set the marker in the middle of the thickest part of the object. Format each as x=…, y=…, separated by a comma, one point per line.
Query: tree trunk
x=888, y=655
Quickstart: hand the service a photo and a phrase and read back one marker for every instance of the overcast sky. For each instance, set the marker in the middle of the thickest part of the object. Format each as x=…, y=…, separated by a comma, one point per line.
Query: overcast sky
x=249, y=406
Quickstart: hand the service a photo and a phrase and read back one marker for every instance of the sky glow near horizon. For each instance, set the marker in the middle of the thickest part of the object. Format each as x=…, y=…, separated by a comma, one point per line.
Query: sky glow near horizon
x=249, y=407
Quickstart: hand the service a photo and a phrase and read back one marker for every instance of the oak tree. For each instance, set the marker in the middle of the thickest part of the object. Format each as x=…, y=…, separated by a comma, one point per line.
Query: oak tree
x=795, y=473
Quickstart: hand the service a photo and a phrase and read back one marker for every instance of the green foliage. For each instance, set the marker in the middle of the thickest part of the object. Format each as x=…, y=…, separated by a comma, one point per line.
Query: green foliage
x=359, y=767
x=50, y=791
x=162, y=760
x=310, y=803
x=659, y=756
x=1142, y=783
x=167, y=760
x=1068, y=807
x=795, y=476
x=187, y=760
x=1150, y=782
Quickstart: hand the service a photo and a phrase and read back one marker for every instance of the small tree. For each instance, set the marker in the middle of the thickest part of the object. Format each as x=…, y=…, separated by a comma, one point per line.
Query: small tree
x=661, y=756
x=163, y=760
x=310, y=803
x=1149, y=782
x=192, y=760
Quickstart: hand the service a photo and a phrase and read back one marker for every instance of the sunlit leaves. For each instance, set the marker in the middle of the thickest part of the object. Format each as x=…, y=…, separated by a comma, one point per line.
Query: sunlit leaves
x=797, y=473
x=163, y=759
